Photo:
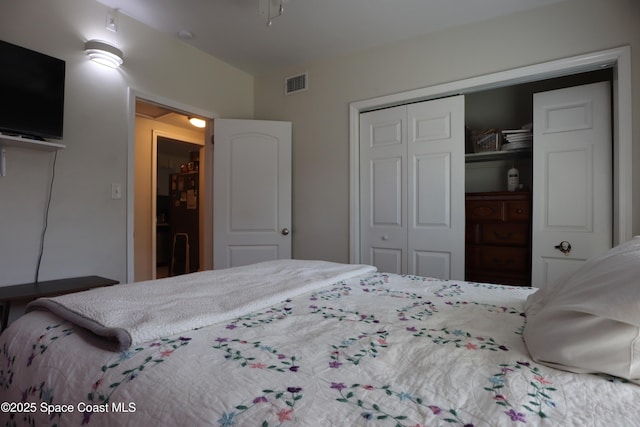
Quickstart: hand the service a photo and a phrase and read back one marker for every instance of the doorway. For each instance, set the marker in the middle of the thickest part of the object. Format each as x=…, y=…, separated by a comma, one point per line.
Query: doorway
x=177, y=212
x=167, y=143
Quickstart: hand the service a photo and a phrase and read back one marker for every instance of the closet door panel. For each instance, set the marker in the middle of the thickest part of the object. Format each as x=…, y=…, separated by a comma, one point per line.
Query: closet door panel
x=432, y=188
x=383, y=191
x=386, y=191
x=569, y=196
x=432, y=264
x=435, y=206
x=432, y=127
x=572, y=184
x=387, y=260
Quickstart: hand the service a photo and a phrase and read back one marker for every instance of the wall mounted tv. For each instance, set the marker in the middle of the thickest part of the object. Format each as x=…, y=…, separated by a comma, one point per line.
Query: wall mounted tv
x=31, y=93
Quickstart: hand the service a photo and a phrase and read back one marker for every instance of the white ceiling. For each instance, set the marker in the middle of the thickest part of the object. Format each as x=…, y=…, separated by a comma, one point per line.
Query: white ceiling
x=308, y=30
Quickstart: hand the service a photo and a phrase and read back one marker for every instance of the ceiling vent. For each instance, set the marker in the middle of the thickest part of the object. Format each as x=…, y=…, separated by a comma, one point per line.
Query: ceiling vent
x=295, y=84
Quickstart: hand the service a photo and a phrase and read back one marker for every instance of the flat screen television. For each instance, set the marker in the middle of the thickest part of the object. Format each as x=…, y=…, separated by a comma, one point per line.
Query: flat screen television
x=31, y=93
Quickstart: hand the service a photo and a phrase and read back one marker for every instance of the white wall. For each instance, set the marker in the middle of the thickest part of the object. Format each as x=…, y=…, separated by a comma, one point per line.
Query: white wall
x=320, y=114
x=87, y=229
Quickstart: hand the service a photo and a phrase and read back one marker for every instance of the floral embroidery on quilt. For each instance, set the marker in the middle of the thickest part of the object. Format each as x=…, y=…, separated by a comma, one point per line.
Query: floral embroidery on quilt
x=494, y=287
x=43, y=394
x=47, y=338
x=231, y=347
x=422, y=278
x=262, y=318
x=6, y=368
x=394, y=293
x=539, y=394
x=449, y=290
x=130, y=367
x=377, y=284
x=338, y=291
x=417, y=311
x=273, y=399
x=491, y=308
x=612, y=379
x=374, y=280
x=354, y=350
x=372, y=405
x=458, y=338
x=342, y=315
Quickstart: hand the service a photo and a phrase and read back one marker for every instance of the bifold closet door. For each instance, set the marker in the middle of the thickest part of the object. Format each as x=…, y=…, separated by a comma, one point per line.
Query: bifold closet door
x=572, y=184
x=436, y=168
x=383, y=189
x=412, y=188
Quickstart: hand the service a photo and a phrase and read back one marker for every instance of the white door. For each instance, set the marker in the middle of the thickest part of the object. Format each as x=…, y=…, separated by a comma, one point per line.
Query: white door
x=383, y=189
x=412, y=188
x=251, y=192
x=436, y=165
x=572, y=184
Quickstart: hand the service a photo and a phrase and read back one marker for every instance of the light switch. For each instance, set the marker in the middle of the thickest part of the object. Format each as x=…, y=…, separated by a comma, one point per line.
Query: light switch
x=116, y=191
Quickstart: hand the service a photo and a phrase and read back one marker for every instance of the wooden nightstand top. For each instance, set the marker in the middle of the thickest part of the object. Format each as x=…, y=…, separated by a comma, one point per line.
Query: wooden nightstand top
x=49, y=288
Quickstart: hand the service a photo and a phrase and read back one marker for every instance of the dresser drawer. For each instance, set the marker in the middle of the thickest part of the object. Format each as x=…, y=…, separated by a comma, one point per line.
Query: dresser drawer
x=517, y=210
x=498, y=258
x=484, y=210
x=510, y=234
x=498, y=237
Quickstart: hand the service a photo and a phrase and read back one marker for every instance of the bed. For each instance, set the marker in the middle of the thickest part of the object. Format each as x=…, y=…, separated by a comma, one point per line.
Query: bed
x=304, y=343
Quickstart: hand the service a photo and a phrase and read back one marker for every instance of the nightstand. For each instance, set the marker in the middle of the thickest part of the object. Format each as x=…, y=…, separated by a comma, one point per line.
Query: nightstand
x=50, y=288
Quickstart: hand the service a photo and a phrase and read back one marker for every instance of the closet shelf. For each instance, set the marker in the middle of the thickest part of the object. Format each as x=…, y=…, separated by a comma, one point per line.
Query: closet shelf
x=497, y=155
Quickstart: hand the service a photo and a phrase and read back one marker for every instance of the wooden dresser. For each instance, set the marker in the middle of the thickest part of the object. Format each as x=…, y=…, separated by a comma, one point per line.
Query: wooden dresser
x=498, y=237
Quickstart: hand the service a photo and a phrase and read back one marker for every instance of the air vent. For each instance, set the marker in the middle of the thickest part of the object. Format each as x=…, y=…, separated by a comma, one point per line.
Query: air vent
x=295, y=84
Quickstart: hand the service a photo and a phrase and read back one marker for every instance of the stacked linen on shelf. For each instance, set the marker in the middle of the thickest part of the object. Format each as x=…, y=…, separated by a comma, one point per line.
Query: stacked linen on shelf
x=518, y=139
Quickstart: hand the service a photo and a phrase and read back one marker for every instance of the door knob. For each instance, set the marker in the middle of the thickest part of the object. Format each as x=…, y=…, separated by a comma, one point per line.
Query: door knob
x=564, y=247
x=285, y=231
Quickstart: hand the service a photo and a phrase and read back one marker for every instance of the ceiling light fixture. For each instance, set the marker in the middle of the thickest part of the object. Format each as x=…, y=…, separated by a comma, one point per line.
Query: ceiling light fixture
x=104, y=53
x=271, y=9
x=199, y=123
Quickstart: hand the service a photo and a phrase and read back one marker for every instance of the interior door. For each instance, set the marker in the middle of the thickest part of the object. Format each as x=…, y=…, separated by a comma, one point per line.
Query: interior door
x=412, y=188
x=572, y=184
x=436, y=165
x=251, y=192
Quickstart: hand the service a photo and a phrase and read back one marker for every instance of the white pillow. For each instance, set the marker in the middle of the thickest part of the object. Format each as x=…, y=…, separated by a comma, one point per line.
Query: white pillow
x=590, y=320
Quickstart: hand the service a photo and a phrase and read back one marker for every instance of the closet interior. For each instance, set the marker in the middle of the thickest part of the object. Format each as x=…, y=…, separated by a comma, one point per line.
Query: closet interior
x=499, y=178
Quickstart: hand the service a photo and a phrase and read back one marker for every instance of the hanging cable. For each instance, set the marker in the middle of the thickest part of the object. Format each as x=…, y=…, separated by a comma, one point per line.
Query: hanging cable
x=46, y=215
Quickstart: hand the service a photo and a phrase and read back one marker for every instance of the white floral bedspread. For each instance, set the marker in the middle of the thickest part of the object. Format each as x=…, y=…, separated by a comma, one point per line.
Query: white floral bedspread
x=376, y=350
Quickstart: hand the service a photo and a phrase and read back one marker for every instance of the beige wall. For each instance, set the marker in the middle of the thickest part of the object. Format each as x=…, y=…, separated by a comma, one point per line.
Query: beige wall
x=320, y=115
x=87, y=230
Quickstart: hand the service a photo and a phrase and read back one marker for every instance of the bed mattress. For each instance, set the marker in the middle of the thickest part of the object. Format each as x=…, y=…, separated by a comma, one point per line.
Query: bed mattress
x=373, y=350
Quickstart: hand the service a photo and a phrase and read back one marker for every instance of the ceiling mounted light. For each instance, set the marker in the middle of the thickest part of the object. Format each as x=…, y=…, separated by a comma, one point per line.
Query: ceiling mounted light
x=271, y=9
x=199, y=123
x=104, y=53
